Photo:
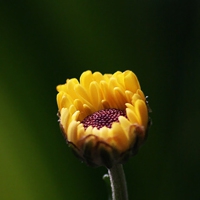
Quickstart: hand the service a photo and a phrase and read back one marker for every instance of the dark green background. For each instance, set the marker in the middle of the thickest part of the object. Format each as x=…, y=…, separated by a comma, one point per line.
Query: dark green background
x=44, y=42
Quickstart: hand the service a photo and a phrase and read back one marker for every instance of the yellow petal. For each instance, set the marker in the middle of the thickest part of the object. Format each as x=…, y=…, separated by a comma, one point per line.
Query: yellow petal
x=64, y=101
x=72, y=109
x=120, y=98
x=105, y=104
x=141, y=112
x=125, y=124
x=87, y=111
x=72, y=131
x=61, y=88
x=131, y=115
x=131, y=81
x=141, y=94
x=98, y=77
x=59, y=99
x=119, y=138
x=86, y=78
x=135, y=98
x=75, y=115
x=82, y=94
x=104, y=132
x=88, y=131
x=107, y=77
x=108, y=94
x=95, y=95
x=129, y=96
x=114, y=83
x=70, y=87
x=95, y=131
x=78, y=104
x=80, y=133
x=64, y=119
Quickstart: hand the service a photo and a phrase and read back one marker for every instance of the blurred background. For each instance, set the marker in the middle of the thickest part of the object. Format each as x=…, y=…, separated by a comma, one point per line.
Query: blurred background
x=42, y=43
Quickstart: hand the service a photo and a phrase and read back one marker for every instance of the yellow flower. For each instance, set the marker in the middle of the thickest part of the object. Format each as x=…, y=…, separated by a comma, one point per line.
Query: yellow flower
x=104, y=118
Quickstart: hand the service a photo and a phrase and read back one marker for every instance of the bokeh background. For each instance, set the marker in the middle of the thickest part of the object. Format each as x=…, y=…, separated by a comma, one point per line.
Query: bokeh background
x=44, y=42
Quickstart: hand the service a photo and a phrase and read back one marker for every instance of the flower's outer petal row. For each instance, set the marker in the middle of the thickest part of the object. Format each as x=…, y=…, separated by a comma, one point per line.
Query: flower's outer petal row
x=116, y=136
x=96, y=152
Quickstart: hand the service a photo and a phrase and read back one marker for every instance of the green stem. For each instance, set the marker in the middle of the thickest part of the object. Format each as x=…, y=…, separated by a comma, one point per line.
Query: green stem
x=118, y=183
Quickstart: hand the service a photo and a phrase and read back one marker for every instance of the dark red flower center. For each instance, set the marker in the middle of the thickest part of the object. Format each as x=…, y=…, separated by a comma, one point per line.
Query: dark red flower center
x=103, y=118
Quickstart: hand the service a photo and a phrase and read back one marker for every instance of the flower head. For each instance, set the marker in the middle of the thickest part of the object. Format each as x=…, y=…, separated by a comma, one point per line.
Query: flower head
x=104, y=118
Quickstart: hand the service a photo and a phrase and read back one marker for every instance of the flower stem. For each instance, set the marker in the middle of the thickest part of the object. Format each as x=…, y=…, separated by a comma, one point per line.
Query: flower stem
x=118, y=183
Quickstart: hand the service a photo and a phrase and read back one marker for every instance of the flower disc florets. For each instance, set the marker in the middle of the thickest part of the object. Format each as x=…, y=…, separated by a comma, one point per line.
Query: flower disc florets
x=103, y=117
